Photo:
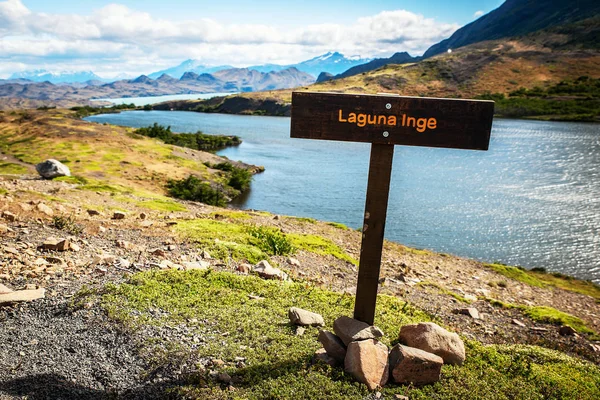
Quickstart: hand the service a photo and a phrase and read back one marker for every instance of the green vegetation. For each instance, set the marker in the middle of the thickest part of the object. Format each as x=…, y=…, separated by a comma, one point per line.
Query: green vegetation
x=196, y=141
x=77, y=180
x=272, y=241
x=577, y=100
x=320, y=245
x=539, y=278
x=3, y=191
x=162, y=205
x=12, y=169
x=548, y=315
x=67, y=223
x=445, y=291
x=247, y=242
x=278, y=364
x=338, y=226
x=194, y=189
x=86, y=111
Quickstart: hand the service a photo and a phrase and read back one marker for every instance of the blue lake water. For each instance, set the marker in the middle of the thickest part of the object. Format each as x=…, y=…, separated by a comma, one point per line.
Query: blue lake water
x=142, y=101
x=533, y=199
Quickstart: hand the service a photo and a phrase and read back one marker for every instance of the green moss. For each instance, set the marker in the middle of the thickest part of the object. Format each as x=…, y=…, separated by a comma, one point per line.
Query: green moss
x=304, y=219
x=515, y=273
x=278, y=364
x=235, y=215
x=548, y=315
x=319, y=245
x=445, y=291
x=222, y=239
x=13, y=169
x=103, y=187
x=3, y=191
x=78, y=180
x=338, y=225
x=539, y=278
x=553, y=316
x=162, y=205
x=419, y=252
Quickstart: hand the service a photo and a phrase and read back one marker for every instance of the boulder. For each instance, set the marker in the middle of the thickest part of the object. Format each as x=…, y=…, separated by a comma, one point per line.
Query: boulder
x=434, y=339
x=350, y=330
x=265, y=270
x=202, y=265
x=414, y=366
x=333, y=345
x=302, y=317
x=51, y=168
x=367, y=361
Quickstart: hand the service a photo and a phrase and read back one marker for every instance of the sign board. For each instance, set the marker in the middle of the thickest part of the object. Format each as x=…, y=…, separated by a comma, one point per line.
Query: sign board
x=386, y=121
x=412, y=121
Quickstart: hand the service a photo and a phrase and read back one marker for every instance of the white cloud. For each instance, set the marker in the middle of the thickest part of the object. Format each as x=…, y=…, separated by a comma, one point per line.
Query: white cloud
x=116, y=35
x=478, y=14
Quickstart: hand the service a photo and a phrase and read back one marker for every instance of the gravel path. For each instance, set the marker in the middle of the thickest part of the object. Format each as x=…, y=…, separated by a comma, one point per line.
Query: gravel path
x=50, y=351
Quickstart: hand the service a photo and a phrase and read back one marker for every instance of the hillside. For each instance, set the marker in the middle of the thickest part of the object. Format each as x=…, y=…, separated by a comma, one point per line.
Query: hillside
x=540, y=62
x=231, y=80
x=517, y=18
x=163, y=303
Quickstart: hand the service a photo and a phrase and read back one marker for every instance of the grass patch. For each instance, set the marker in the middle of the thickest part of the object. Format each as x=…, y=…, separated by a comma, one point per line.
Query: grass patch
x=278, y=363
x=235, y=215
x=445, y=291
x=518, y=274
x=553, y=316
x=537, y=277
x=338, y=226
x=3, y=191
x=247, y=242
x=320, y=245
x=162, y=205
x=304, y=219
x=76, y=180
x=548, y=315
x=13, y=169
x=104, y=187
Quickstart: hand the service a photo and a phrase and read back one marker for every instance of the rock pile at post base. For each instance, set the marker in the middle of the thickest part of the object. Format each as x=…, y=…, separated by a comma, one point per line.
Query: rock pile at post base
x=416, y=360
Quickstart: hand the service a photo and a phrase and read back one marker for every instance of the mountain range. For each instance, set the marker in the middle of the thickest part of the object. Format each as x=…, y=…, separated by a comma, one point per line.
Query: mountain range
x=230, y=80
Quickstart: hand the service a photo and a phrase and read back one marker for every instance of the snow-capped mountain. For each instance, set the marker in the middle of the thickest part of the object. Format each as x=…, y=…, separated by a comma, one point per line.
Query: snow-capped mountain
x=42, y=75
x=333, y=63
x=195, y=66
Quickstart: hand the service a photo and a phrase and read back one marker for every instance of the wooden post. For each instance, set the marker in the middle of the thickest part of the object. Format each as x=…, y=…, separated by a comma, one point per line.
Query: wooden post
x=378, y=188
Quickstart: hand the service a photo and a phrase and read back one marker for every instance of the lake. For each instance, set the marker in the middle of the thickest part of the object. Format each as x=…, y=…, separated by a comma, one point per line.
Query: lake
x=142, y=101
x=532, y=200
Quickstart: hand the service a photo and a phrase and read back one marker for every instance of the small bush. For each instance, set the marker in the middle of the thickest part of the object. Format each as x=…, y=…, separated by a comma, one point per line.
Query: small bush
x=240, y=179
x=272, y=241
x=196, y=141
x=194, y=189
x=67, y=223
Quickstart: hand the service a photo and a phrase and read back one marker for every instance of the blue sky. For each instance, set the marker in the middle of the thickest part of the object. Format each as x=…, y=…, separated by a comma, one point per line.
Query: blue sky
x=134, y=37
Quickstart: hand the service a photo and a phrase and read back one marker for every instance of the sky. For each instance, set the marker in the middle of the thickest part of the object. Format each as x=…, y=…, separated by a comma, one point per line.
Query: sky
x=139, y=37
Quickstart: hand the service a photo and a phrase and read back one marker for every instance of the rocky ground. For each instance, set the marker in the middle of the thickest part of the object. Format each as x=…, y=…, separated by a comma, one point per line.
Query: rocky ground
x=56, y=348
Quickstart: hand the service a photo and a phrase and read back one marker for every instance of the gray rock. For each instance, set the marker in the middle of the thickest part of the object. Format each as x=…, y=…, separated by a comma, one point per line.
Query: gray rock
x=418, y=367
x=333, y=345
x=302, y=317
x=52, y=169
x=265, y=270
x=350, y=330
x=367, y=361
x=471, y=312
x=434, y=339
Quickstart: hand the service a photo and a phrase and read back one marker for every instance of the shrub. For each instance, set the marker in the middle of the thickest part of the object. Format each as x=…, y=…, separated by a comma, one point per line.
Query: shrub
x=271, y=241
x=67, y=223
x=192, y=188
x=196, y=141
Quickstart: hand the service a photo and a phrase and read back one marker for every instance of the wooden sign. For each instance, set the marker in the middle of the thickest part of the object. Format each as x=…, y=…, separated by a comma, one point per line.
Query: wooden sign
x=411, y=121
x=385, y=121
